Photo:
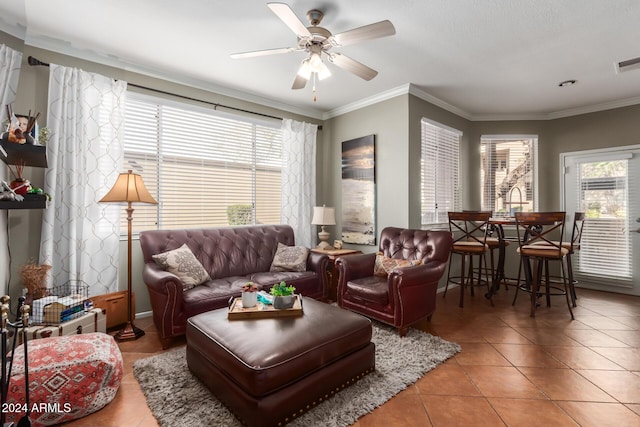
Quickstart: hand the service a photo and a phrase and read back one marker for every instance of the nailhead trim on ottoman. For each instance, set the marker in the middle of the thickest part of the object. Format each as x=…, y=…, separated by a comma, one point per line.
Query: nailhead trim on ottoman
x=69, y=377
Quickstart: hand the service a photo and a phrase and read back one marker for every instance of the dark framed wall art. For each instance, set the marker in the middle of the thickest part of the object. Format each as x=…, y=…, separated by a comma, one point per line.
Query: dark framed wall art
x=358, y=191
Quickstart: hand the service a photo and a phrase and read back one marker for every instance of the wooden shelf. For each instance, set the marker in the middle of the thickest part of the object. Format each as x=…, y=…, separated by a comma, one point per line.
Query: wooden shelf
x=30, y=155
x=31, y=201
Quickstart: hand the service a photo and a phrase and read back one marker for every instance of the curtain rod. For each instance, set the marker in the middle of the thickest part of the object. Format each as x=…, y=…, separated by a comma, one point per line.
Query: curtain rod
x=34, y=61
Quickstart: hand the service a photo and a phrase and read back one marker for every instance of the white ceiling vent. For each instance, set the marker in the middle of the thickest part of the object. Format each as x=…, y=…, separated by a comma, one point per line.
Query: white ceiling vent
x=628, y=65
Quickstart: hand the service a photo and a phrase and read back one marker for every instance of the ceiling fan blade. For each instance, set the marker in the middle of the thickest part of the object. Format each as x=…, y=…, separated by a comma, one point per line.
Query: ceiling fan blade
x=353, y=66
x=263, y=52
x=299, y=82
x=368, y=32
x=284, y=12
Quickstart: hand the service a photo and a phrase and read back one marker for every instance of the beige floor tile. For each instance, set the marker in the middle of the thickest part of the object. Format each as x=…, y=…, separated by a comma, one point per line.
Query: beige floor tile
x=503, y=381
x=581, y=357
x=480, y=354
x=527, y=413
x=594, y=414
x=622, y=385
x=463, y=411
x=565, y=384
x=593, y=338
x=528, y=355
x=448, y=379
x=546, y=336
x=628, y=358
x=404, y=410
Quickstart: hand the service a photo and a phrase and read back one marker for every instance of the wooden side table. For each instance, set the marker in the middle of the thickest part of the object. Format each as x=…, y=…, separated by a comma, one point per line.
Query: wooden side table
x=332, y=273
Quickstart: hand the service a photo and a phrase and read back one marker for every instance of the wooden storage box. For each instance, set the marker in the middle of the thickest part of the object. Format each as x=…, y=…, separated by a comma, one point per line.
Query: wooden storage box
x=115, y=305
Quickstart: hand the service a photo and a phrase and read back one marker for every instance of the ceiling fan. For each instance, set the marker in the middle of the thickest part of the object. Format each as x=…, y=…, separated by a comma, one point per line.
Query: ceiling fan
x=318, y=41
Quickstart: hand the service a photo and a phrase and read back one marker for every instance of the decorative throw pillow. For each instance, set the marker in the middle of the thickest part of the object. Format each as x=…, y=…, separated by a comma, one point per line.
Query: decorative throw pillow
x=290, y=258
x=378, y=269
x=385, y=265
x=184, y=264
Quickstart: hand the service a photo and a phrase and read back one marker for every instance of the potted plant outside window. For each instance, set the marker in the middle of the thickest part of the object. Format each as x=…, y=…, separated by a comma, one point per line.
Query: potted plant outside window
x=283, y=295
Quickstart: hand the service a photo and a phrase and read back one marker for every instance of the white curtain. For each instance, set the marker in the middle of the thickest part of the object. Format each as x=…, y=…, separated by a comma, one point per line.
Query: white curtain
x=299, y=179
x=10, y=62
x=80, y=237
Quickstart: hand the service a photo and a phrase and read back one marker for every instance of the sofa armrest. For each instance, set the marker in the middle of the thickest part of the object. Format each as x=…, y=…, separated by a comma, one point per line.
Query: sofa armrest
x=318, y=263
x=165, y=295
x=351, y=267
x=160, y=280
x=430, y=272
x=413, y=291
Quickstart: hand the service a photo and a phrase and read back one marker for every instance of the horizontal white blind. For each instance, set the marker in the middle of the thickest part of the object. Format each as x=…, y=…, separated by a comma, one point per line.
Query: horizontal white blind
x=204, y=169
x=439, y=172
x=507, y=174
x=605, y=248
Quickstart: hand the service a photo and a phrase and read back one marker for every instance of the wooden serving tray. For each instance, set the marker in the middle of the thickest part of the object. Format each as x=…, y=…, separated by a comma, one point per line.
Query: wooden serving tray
x=263, y=311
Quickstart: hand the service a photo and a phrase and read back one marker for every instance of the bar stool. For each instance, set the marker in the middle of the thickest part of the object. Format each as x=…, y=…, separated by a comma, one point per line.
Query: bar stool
x=536, y=237
x=573, y=245
x=471, y=228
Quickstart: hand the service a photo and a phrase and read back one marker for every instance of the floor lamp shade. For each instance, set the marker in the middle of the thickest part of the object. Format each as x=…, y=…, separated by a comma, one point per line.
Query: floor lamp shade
x=129, y=188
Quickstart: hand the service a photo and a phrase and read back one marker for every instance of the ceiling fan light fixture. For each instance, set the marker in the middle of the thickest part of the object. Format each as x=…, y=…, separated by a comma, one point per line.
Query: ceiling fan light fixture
x=315, y=61
x=314, y=64
x=324, y=72
x=305, y=69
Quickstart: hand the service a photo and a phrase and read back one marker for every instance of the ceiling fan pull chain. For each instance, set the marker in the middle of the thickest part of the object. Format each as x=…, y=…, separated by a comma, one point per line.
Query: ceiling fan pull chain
x=315, y=98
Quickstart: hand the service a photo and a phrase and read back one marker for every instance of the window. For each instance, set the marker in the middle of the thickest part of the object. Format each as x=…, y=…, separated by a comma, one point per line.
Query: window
x=205, y=168
x=508, y=174
x=439, y=172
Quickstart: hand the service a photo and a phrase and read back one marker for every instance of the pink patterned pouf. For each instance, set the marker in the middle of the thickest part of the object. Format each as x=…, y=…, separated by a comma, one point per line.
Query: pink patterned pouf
x=69, y=377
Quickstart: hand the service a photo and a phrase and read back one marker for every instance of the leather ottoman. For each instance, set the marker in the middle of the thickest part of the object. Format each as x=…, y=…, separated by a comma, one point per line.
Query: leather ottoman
x=270, y=371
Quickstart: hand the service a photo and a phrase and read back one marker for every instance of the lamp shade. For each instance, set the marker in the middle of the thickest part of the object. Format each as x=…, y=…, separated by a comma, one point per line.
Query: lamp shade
x=323, y=215
x=129, y=187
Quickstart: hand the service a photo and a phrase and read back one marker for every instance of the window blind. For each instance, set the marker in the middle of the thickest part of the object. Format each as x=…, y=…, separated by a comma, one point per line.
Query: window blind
x=508, y=174
x=204, y=168
x=605, y=249
x=439, y=172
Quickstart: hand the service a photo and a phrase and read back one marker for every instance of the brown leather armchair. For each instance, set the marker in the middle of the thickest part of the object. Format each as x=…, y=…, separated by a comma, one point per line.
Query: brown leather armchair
x=408, y=294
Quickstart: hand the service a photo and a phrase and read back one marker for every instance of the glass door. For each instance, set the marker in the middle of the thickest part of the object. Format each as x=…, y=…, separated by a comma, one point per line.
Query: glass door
x=605, y=184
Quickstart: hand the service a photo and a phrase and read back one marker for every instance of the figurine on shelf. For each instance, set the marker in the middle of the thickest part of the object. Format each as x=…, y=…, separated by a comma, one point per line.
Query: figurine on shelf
x=7, y=193
x=20, y=128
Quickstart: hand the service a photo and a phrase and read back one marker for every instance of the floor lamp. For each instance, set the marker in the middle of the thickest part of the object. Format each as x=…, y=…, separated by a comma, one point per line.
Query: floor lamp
x=129, y=188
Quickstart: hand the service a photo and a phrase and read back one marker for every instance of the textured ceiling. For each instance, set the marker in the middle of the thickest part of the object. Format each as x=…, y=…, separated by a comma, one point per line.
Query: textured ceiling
x=485, y=59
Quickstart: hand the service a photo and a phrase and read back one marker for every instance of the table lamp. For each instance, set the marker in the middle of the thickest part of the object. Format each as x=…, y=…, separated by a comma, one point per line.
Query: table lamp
x=322, y=216
x=129, y=188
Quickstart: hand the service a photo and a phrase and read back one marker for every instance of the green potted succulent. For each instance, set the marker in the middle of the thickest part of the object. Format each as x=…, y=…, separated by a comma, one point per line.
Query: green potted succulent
x=283, y=295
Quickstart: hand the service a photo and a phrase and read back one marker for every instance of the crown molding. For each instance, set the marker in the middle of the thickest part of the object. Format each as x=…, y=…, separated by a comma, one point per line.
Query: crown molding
x=408, y=88
x=419, y=93
x=365, y=102
x=64, y=48
x=14, y=29
x=595, y=108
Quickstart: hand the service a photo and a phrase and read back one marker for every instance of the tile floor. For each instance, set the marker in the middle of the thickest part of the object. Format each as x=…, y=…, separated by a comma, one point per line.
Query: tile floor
x=513, y=370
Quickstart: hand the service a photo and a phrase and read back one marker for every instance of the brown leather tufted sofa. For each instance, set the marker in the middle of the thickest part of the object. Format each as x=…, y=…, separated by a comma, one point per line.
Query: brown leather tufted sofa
x=232, y=256
x=408, y=294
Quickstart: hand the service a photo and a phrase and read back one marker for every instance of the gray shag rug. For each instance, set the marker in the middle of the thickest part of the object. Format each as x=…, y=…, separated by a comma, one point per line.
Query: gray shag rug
x=176, y=397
